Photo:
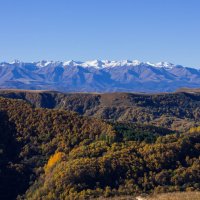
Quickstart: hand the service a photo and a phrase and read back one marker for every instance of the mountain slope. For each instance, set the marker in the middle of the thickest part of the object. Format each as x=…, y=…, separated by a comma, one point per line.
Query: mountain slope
x=98, y=76
x=177, y=111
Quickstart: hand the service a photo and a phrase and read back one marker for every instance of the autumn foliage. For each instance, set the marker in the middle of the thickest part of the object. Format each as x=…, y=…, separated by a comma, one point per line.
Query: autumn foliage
x=54, y=154
x=53, y=160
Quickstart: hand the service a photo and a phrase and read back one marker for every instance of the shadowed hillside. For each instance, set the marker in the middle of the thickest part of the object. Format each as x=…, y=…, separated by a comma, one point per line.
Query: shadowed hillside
x=177, y=111
x=29, y=136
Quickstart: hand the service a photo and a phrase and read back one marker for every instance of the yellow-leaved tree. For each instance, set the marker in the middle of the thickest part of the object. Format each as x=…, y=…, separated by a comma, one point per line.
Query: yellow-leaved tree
x=55, y=158
x=195, y=129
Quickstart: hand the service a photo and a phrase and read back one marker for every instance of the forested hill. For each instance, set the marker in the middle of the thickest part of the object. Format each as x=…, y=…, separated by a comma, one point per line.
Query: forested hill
x=178, y=111
x=54, y=154
x=29, y=136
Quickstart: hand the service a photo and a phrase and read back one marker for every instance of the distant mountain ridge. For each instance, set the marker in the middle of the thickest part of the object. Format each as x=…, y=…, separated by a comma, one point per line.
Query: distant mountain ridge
x=98, y=76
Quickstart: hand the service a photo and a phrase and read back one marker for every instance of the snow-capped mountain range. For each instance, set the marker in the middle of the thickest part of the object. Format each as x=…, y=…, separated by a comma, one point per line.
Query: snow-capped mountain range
x=98, y=76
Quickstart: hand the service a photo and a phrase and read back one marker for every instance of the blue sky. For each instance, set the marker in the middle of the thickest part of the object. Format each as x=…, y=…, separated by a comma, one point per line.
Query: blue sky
x=147, y=30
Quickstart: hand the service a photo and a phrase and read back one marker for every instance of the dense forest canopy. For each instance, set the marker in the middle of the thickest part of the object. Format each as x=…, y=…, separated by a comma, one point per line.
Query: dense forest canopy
x=58, y=154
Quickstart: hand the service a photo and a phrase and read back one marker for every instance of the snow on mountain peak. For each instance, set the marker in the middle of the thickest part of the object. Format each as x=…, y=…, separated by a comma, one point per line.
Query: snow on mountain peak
x=165, y=65
x=110, y=64
x=98, y=64
x=69, y=63
x=151, y=64
x=14, y=62
x=94, y=63
x=45, y=63
x=136, y=62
